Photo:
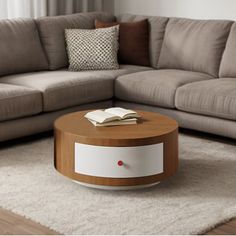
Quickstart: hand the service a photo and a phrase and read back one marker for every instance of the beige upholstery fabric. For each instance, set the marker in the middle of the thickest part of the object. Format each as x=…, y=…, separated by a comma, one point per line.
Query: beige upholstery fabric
x=157, y=29
x=156, y=87
x=214, y=98
x=186, y=120
x=62, y=89
x=20, y=47
x=41, y=123
x=228, y=67
x=52, y=29
x=194, y=45
x=128, y=69
x=17, y=101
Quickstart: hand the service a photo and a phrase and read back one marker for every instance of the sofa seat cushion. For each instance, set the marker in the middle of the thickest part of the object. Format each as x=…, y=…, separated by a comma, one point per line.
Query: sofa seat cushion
x=155, y=87
x=213, y=98
x=63, y=88
x=17, y=101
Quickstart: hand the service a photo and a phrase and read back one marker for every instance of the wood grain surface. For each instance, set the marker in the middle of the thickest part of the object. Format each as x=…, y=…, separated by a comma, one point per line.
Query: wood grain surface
x=154, y=128
x=13, y=224
x=151, y=129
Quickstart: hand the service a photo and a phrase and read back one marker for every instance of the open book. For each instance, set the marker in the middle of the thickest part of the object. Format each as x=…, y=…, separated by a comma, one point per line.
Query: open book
x=112, y=116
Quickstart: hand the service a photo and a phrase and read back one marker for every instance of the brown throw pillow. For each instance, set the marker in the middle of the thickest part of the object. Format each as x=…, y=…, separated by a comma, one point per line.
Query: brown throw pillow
x=133, y=40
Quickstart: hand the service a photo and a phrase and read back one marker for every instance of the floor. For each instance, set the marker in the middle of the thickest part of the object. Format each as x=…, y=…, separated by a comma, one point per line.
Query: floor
x=13, y=224
x=225, y=229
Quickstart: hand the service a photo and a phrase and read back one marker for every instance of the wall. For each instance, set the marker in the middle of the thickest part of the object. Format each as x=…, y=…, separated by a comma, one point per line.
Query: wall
x=108, y=6
x=198, y=9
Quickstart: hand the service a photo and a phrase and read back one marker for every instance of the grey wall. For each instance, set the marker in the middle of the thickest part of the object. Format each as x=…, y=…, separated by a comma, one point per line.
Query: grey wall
x=108, y=6
x=201, y=9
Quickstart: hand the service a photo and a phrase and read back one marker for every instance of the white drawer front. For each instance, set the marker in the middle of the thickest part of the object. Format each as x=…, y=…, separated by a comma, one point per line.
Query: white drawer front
x=103, y=161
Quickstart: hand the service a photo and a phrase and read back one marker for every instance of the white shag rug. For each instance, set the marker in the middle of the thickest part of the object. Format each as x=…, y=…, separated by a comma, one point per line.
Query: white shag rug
x=201, y=195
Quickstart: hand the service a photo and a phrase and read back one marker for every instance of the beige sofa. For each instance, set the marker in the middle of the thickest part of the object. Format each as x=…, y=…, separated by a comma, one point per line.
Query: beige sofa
x=192, y=77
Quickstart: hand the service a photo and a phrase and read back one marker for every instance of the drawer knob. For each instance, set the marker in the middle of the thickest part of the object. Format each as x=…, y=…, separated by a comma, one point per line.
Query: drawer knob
x=120, y=163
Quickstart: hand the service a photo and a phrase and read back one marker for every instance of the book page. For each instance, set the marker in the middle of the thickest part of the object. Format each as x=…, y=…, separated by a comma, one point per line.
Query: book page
x=122, y=113
x=101, y=116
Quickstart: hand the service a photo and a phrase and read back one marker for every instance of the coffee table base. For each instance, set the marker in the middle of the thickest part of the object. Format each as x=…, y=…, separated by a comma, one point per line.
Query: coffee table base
x=105, y=187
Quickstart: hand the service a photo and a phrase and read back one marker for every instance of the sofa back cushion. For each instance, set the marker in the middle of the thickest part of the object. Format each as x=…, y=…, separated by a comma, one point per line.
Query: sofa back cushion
x=20, y=47
x=228, y=63
x=157, y=27
x=52, y=32
x=194, y=45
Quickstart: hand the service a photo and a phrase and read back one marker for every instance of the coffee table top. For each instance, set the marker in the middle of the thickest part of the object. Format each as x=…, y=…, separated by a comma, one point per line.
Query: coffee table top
x=152, y=128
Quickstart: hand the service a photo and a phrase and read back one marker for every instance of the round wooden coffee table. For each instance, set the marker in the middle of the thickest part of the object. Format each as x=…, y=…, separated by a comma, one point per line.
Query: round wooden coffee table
x=118, y=157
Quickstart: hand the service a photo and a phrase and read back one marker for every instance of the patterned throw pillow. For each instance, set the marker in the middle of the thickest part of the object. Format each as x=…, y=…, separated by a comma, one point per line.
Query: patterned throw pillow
x=92, y=49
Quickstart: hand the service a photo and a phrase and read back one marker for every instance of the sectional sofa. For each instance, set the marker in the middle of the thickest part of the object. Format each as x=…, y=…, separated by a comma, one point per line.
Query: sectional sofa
x=192, y=77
